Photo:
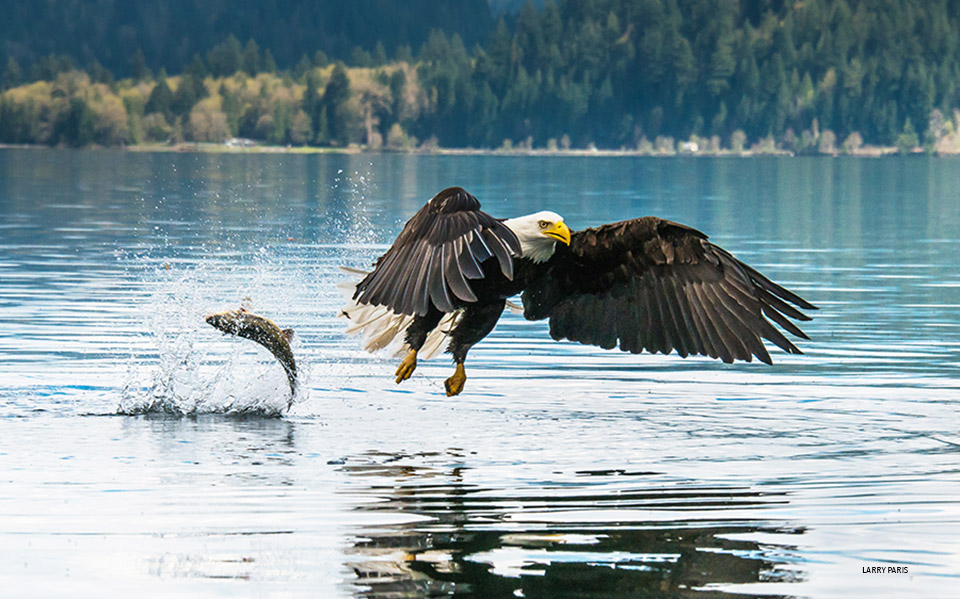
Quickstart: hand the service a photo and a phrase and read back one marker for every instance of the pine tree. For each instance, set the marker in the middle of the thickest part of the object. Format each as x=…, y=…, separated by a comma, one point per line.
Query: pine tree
x=12, y=76
x=230, y=105
x=908, y=139
x=197, y=68
x=379, y=54
x=188, y=93
x=139, y=70
x=312, y=102
x=250, y=60
x=77, y=129
x=161, y=98
x=269, y=64
x=224, y=58
x=336, y=95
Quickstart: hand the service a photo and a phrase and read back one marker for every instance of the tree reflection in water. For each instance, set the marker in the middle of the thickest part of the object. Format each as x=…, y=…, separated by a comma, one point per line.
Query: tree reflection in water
x=603, y=533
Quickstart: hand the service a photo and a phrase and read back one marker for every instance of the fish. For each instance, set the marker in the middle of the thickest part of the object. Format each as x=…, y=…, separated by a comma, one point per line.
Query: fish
x=246, y=324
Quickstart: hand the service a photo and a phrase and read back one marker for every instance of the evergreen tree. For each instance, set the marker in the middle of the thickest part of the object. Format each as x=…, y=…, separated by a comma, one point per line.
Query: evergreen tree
x=360, y=58
x=12, y=75
x=323, y=129
x=99, y=74
x=197, y=69
x=269, y=64
x=302, y=67
x=161, y=98
x=250, y=60
x=336, y=95
x=908, y=139
x=231, y=109
x=379, y=54
x=77, y=128
x=139, y=70
x=609, y=72
x=722, y=65
x=403, y=54
x=312, y=102
x=188, y=93
x=224, y=58
x=397, y=85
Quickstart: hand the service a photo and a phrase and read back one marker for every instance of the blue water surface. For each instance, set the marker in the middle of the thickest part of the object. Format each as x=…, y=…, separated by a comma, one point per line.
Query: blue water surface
x=562, y=470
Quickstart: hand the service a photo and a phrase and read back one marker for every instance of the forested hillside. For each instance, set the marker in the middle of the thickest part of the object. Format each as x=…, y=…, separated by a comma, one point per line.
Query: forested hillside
x=168, y=33
x=813, y=75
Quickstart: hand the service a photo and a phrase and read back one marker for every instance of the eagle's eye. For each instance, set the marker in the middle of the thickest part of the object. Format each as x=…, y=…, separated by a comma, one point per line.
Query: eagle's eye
x=544, y=224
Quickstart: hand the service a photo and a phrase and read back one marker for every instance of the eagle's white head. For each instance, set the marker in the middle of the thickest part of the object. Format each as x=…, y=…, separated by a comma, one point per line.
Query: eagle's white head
x=538, y=234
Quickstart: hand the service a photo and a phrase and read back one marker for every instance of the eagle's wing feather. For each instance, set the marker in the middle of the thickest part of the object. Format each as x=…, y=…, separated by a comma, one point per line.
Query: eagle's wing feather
x=437, y=254
x=655, y=285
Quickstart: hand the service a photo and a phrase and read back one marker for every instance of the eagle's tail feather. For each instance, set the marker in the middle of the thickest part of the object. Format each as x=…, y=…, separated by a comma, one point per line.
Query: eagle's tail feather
x=380, y=327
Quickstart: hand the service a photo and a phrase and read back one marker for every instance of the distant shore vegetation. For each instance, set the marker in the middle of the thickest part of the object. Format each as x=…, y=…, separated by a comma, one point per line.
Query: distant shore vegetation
x=643, y=76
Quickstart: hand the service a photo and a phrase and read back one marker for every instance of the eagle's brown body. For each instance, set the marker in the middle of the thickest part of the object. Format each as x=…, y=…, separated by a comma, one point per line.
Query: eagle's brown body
x=645, y=284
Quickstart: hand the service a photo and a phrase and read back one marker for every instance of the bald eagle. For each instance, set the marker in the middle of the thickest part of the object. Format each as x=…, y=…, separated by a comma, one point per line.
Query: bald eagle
x=643, y=284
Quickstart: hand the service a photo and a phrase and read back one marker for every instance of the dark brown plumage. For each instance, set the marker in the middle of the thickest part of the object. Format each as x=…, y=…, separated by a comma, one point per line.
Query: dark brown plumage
x=660, y=286
x=436, y=255
x=646, y=284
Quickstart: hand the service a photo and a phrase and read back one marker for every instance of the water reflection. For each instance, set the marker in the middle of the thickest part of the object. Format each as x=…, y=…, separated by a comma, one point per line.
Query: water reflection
x=595, y=472
x=240, y=450
x=605, y=532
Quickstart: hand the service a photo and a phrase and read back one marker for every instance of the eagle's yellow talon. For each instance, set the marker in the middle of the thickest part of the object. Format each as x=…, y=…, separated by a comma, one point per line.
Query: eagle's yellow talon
x=454, y=384
x=406, y=368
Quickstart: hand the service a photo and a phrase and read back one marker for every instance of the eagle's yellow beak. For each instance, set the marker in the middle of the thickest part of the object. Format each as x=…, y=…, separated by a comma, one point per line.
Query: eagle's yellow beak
x=559, y=231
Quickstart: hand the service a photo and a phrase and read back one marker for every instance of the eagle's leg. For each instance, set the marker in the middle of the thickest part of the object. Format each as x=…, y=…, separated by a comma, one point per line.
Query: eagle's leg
x=406, y=368
x=477, y=322
x=416, y=336
x=455, y=383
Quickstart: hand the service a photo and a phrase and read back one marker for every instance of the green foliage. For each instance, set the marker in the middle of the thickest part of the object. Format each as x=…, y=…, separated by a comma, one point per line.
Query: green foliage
x=361, y=58
x=800, y=76
x=302, y=67
x=250, y=60
x=908, y=139
x=311, y=100
x=607, y=70
x=161, y=99
x=48, y=67
x=12, y=75
x=269, y=64
x=379, y=54
x=224, y=59
x=77, y=126
x=335, y=109
x=139, y=70
x=197, y=68
x=189, y=92
x=397, y=85
x=230, y=104
x=98, y=74
x=168, y=34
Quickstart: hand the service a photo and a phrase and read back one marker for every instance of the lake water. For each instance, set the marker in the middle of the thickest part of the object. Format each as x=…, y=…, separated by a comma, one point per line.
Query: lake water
x=562, y=470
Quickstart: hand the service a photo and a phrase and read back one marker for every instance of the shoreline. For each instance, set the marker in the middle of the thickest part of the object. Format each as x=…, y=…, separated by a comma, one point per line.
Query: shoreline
x=221, y=148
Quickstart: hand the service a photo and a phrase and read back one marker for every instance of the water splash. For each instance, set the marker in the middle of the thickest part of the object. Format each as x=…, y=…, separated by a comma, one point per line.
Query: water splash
x=290, y=279
x=354, y=226
x=197, y=370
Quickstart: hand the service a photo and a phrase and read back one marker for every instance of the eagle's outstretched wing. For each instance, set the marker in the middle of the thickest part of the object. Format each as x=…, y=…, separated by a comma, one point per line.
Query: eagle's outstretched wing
x=655, y=285
x=436, y=255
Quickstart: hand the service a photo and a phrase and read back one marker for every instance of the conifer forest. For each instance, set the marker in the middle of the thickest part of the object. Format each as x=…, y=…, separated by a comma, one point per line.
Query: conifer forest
x=641, y=75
